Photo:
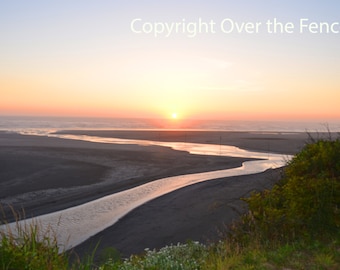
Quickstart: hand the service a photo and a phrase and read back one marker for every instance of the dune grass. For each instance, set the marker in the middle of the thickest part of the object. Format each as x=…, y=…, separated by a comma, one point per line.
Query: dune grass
x=295, y=225
x=23, y=248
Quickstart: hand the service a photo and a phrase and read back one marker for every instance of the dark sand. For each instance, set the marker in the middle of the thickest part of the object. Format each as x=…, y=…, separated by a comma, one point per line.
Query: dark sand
x=43, y=174
x=201, y=212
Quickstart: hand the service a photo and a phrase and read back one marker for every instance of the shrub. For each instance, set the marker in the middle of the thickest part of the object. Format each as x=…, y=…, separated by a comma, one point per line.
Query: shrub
x=25, y=249
x=316, y=160
x=306, y=201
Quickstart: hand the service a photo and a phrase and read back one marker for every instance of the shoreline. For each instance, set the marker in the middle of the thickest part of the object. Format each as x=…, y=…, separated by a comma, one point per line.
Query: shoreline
x=148, y=163
x=275, y=142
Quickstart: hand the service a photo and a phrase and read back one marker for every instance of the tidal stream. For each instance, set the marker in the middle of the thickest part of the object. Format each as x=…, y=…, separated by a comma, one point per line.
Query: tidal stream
x=74, y=225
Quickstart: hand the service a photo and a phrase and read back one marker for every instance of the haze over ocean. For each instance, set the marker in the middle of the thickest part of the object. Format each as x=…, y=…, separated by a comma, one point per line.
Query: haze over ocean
x=47, y=124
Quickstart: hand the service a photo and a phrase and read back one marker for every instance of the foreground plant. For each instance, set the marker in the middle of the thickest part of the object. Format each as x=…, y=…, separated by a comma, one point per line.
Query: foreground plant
x=305, y=203
x=26, y=248
x=188, y=256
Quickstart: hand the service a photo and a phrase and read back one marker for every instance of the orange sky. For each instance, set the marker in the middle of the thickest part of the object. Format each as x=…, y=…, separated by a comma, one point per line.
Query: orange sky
x=84, y=60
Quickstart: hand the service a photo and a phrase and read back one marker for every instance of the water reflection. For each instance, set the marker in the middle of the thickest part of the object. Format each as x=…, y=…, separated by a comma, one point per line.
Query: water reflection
x=74, y=225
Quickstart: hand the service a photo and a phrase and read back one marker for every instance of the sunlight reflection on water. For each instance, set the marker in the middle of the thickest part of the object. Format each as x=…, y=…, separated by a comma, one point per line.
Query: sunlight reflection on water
x=74, y=225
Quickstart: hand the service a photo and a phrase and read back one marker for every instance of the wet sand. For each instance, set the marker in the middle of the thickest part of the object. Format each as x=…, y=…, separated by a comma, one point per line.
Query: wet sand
x=42, y=175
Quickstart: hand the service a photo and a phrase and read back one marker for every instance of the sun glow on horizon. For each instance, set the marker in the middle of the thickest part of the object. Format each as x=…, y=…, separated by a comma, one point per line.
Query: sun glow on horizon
x=174, y=115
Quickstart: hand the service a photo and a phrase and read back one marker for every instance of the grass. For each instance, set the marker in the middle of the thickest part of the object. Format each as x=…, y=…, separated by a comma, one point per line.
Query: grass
x=293, y=226
x=24, y=248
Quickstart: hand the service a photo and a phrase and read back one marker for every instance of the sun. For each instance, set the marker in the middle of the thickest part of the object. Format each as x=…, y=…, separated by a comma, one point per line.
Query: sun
x=174, y=115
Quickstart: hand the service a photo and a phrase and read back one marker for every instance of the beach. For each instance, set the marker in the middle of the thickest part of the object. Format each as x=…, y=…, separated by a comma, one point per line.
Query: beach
x=44, y=174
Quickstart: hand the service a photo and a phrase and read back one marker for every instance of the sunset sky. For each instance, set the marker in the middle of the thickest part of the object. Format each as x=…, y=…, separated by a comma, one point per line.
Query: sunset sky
x=85, y=58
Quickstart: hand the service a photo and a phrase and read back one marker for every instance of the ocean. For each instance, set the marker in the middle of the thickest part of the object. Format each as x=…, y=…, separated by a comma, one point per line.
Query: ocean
x=43, y=125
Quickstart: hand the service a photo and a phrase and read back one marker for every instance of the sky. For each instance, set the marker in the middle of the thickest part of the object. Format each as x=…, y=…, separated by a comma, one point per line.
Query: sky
x=224, y=61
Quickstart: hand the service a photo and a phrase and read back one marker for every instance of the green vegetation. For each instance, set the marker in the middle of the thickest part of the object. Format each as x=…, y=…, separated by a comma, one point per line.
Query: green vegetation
x=306, y=201
x=25, y=249
x=295, y=225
